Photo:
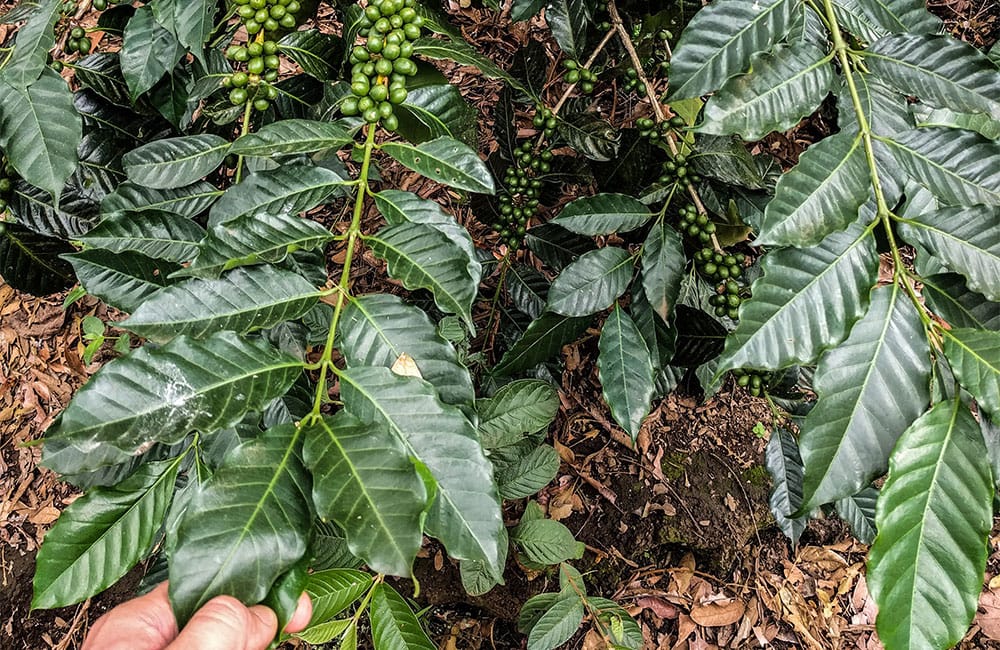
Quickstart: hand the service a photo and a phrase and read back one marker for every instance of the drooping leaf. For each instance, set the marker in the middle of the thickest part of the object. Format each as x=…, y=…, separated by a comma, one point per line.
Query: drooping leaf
x=720, y=39
x=959, y=167
x=626, y=371
x=437, y=110
x=591, y=283
x=187, y=201
x=662, y=269
x=477, y=578
x=700, y=338
x=40, y=131
x=102, y=535
x=394, y=625
x=568, y=20
x=102, y=73
x=967, y=240
x=446, y=161
x=364, y=481
x=422, y=257
x=785, y=466
x=31, y=262
x=556, y=246
x=558, y=623
x=528, y=474
x=465, y=515
x=148, y=52
x=547, y=542
x=518, y=409
x=461, y=52
x=847, y=438
x=293, y=136
x=254, y=238
x=784, y=86
x=161, y=394
x=290, y=189
x=603, y=214
x=161, y=235
x=934, y=514
x=858, y=511
x=528, y=289
x=938, y=69
x=243, y=300
x=264, y=491
x=544, y=337
x=314, y=51
x=175, y=162
x=974, y=355
x=34, y=209
x=781, y=324
x=375, y=330
x=332, y=591
x=122, y=280
x=951, y=299
x=660, y=335
x=31, y=47
x=927, y=116
x=820, y=195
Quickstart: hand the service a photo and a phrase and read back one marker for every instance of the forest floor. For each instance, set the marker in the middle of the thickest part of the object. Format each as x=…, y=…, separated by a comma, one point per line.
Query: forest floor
x=677, y=526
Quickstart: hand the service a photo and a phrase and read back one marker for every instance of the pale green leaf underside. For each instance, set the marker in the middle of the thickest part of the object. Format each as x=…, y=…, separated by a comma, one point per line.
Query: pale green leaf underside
x=333, y=590
x=975, y=357
x=959, y=167
x=847, y=438
x=394, y=626
x=626, y=371
x=933, y=516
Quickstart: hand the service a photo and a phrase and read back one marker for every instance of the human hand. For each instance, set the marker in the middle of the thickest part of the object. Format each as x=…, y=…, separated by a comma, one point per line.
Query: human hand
x=223, y=623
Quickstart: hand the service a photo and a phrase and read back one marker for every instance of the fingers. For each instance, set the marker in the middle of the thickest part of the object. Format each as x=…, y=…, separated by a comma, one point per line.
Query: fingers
x=144, y=623
x=225, y=623
x=300, y=619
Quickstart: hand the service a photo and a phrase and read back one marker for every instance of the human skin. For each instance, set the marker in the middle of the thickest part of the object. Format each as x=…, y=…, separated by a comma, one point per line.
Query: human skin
x=223, y=623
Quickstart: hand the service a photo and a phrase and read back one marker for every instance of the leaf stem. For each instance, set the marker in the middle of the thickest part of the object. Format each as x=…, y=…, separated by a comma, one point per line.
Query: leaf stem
x=343, y=288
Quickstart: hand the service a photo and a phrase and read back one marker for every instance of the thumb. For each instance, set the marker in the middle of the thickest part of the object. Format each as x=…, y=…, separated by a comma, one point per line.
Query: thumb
x=225, y=623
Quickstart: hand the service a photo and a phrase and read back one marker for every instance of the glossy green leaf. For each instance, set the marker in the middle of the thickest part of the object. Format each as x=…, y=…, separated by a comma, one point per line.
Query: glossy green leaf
x=626, y=371
x=290, y=189
x=190, y=21
x=902, y=16
x=102, y=535
x=556, y=246
x=400, y=207
x=854, y=18
x=254, y=238
x=32, y=263
x=394, y=625
x=161, y=394
x=334, y=590
x=785, y=85
x=446, y=161
x=375, y=330
x=858, y=511
x=959, y=167
x=806, y=301
x=782, y=460
x=603, y=214
x=422, y=257
x=951, y=299
x=591, y=135
x=720, y=39
x=477, y=579
x=314, y=51
x=322, y=633
x=187, y=201
x=293, y=136
x=967, y=240
x=559, y=622
x=568, y=20
x=31, y=47
x=528, y=289
x=974, y=355
x=264, y=492
x=525, y=9
x=624, y=632
x=934, y=515
x=820, y=195
x=518, y=409
x=528, y=474
x=461, y=52
x=161, y=235
x=547, y=542
x=663, y=264
x=363, y=480
x=437, y=110
x=591, y=283
x=465, y=515
x=545, y=336
x=243, y=300
x=148, y=52
x=40, y=131
x=122, y=280
x=938, y=69
x=847, y=438
x=981, y=123
x=175, y=162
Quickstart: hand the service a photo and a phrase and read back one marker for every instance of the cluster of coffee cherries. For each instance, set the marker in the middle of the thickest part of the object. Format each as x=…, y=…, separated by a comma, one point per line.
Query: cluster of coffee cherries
x=78, y=42
x=677, y=171
x=727, y=299
x=755, y=381
x=545, y=121
x=520, y=197
x=253, y=84
x=101, y=5
x=719, y=266
x=577, y=74
x=696, y=226
x=267, y=15
x=380, y=67
x=648, y=128
x=6, y=185
x=68, y=7
x=632, y=81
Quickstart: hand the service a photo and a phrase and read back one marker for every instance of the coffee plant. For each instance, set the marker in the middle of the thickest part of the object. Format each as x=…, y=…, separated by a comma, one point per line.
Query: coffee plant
x=276, y=430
